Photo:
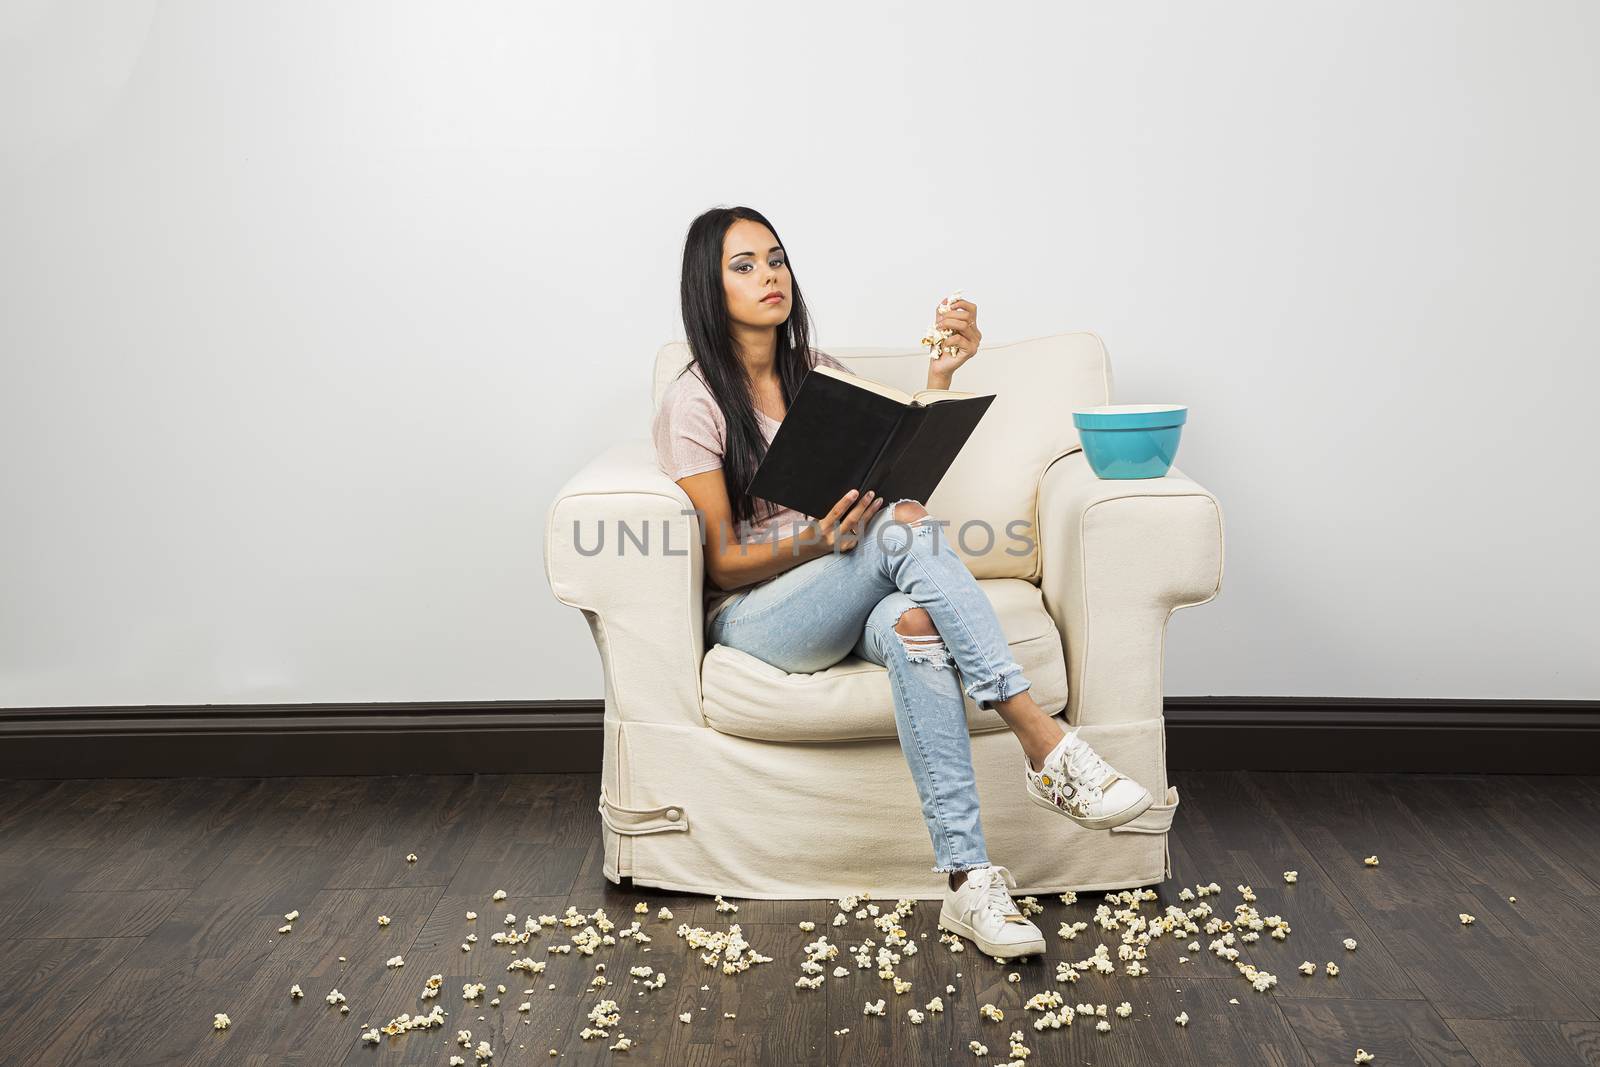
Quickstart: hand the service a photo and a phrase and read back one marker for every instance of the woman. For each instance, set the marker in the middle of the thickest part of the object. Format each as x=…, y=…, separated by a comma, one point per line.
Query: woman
x=880, y=581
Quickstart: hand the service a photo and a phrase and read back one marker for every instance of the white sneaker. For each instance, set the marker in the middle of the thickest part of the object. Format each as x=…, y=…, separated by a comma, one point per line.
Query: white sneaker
x=1077, y=783
x=981, y=911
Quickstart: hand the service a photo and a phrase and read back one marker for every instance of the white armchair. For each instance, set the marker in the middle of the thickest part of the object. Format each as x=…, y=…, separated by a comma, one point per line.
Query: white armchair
x=723, y=774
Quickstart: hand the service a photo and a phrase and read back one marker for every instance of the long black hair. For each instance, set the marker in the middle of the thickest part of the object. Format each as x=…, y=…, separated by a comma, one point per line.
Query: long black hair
x=705, y=322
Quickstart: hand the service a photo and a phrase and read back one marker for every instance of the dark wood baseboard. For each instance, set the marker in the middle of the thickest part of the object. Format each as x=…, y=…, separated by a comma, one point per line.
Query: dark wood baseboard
x=534, y=736
x=1382, y=734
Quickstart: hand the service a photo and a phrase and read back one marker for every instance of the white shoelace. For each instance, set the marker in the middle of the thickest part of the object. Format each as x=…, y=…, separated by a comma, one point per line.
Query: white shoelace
x=995, y=899
x=1086, y=769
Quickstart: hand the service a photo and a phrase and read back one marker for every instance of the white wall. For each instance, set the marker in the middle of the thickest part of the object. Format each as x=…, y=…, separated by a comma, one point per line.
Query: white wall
x=310, y=308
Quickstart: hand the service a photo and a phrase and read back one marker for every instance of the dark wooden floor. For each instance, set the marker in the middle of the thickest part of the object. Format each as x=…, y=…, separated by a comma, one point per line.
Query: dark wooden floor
x=131, y=911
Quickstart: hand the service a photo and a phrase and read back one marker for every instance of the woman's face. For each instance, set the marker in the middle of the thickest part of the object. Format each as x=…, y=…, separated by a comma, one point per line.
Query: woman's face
x=754, y=267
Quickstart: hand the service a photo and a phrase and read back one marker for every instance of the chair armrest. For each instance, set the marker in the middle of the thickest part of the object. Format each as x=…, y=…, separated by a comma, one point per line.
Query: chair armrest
x=644, y=605
x=1116, y=559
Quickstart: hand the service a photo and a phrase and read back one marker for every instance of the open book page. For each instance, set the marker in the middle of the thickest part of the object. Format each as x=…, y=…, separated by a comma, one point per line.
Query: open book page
x=921, y=397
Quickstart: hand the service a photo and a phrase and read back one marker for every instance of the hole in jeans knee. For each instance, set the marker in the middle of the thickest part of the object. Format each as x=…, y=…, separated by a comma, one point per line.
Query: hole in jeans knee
x=925, y=648
x=916, y=514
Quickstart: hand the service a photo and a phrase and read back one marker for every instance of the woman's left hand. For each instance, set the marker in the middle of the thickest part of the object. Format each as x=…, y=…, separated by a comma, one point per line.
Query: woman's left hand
x=960, y=346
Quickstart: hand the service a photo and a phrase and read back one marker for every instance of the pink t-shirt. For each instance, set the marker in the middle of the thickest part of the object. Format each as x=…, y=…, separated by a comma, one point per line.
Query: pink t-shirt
x=690, y=435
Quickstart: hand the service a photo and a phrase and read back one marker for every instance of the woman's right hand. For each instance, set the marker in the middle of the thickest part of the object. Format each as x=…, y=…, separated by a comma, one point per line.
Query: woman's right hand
x=842, y=528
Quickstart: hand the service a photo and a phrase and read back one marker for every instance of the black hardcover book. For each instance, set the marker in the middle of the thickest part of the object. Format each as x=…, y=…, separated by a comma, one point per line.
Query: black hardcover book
x=846, y=432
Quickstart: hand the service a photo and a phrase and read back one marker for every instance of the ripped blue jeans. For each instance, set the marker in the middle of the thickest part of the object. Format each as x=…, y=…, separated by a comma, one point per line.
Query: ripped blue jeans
x=815, y=613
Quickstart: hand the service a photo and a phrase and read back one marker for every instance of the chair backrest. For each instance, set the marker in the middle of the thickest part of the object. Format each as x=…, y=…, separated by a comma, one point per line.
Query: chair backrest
x=995, y=480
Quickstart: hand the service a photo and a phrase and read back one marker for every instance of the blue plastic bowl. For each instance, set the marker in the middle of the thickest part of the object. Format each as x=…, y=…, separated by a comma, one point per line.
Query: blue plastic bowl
x=1130, y=440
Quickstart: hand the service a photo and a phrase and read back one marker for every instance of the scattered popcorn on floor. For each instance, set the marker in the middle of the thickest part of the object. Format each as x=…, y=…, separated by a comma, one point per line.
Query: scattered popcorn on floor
x=395, y=961
x=1333, y=969
x=404, y=1021
x=1350, y=943
x=220, y=1021
x=1182, y=1018
x=1371, y=861
x=1363, y=1056
x=499, y=894
x=295, y=992
x=411, y=857
x=992, y=1013
x=1104, y=1026
x=1467, y=920
x=1124, y=1010
x=977, y=1048
x=1291, y=877
x=383, y=920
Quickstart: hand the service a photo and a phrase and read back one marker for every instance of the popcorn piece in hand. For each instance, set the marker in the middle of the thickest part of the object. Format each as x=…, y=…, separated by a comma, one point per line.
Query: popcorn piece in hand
x=1371, y=861
x=220, y=1021
x=1467, y=920
x=1350, y=943
x=934, y=341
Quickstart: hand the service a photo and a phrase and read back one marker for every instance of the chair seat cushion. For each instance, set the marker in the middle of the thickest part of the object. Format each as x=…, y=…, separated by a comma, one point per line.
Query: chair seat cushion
x=853, y=701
